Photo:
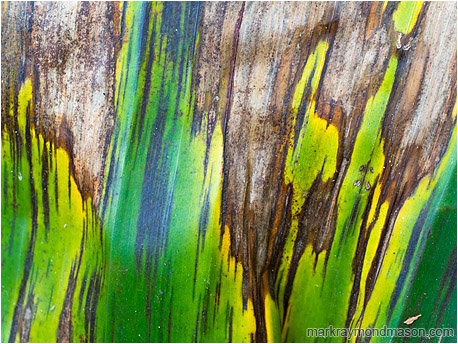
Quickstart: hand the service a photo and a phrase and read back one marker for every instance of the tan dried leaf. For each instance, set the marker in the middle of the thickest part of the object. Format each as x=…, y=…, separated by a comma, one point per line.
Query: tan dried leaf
x=412, y=319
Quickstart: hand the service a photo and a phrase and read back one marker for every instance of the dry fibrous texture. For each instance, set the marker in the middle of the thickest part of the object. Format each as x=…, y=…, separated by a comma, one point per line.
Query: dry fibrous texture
x=69, y=49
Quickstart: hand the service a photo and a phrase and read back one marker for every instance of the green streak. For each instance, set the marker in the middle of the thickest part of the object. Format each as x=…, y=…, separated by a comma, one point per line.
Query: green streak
x=167, y=272
x=310, y=287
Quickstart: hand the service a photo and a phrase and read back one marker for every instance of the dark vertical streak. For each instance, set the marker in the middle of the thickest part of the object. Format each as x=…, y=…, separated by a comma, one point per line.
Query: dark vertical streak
x=203, y=221
x=44, y=185
x=95, y=300
x=56, y=179
x=225, y=120
x=169, y=325
x=231, y=316
x=87, y=308
x=358, y=258
x=82, y=290
x=450, y=274
x=196, y=331
x=235, y=44
x=64, y=330
x=409, y=256
x=299, y=245
x=30, y=251
x=147, y=85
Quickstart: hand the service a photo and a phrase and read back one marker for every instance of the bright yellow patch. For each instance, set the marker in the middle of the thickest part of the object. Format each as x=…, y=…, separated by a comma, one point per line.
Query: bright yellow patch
x=406, y=15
